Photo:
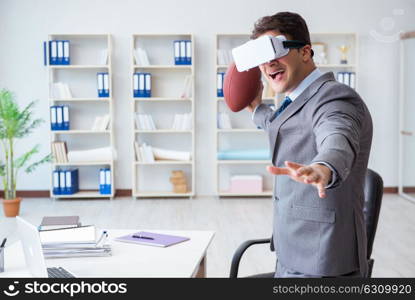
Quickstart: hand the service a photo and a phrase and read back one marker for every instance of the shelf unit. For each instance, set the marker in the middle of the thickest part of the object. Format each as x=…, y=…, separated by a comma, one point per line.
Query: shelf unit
x=332, y=41
x=225, y=168
x=229, y=41
x=83, y=51
x=165, y=99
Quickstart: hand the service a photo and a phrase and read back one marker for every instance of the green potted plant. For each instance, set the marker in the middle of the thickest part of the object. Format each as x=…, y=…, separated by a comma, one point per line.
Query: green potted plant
x=15, y=124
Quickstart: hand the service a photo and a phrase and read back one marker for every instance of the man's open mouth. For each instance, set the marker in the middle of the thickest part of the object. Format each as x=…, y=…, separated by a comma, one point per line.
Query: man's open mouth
x=273, y=75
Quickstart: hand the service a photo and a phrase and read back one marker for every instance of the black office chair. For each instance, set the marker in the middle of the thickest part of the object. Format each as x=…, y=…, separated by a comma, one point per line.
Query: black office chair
x=373, y=200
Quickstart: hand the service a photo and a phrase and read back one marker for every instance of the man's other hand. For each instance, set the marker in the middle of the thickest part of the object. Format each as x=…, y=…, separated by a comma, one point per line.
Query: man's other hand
x=316, y=174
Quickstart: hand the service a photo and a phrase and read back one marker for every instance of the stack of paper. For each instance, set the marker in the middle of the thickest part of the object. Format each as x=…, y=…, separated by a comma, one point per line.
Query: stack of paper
x=224, y=122
x=61, y=90
x=74, y=242
x=101, y=123
x=148, y=154
x=144, y=122
x=98, y=154
x=182, y=122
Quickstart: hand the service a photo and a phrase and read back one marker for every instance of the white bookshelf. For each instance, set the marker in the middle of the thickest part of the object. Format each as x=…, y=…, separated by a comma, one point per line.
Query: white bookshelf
x=165, y=101
x=85, y=51
x=226, y=168
x=242, y=128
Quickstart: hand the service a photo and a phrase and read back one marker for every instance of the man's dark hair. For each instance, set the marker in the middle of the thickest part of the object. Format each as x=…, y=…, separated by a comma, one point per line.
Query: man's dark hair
x=287, y=23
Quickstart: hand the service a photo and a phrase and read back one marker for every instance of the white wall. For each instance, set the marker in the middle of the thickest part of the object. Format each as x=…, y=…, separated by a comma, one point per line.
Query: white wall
x=24, y=24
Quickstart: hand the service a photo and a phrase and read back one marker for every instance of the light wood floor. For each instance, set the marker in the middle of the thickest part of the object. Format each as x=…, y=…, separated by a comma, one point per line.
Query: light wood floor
x=233, y=220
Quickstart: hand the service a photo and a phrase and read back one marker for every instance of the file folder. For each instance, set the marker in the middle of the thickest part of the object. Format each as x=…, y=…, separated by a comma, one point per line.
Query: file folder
x=62, y=182
x=176, y=52
x=106, y=85
x=220, y=76
x=53, y=118
x=182, y=58
x=102, y=181
x=147, y=86
x=135, y=85
x=53, y=55
x=340, y=77
x=60, y=52
x=353, y=80
x=65, y=109
x=45, y=53
x=59, y=117
x=188, y=53
x=66, y=59
x=107, y=181
x=346, y=78
x=68, y=182
x=56, y=185
x=100, y=85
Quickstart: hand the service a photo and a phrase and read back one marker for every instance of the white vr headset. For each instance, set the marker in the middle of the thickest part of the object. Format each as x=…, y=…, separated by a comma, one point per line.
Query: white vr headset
x=261, y=50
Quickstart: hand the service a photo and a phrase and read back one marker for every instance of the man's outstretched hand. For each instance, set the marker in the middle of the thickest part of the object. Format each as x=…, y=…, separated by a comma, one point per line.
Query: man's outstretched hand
x=316, y=174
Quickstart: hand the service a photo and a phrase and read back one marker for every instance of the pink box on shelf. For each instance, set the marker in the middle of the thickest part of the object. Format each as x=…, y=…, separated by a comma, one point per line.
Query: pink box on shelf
x=246, y=184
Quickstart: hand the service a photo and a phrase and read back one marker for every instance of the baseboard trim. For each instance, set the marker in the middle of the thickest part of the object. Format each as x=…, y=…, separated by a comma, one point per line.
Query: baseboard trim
x=128, y=192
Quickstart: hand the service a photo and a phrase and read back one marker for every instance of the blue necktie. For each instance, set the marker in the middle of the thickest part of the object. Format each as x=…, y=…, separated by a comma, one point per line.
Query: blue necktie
x=287, y=101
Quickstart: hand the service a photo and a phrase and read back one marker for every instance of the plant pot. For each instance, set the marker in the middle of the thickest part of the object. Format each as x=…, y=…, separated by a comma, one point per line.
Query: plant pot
x=11, y=207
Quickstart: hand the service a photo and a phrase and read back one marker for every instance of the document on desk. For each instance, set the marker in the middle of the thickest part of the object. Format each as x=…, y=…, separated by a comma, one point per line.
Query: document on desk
x=78, y=235
x=152, y=239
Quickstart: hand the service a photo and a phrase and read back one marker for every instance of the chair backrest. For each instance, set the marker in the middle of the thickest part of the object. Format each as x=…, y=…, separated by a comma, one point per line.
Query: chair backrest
x=371, y=207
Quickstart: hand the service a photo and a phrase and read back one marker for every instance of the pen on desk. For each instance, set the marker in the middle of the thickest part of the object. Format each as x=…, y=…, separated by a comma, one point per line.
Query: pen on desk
x=142, y=237
x=104, y=234
x=3, y=243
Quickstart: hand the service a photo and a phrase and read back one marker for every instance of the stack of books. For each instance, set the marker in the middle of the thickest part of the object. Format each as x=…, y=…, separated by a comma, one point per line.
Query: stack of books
x=59, y=152
x=59, y=222
x=80, y=241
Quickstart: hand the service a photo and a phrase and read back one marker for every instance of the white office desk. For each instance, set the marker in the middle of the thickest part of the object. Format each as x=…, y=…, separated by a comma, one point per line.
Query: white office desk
x=187, y=259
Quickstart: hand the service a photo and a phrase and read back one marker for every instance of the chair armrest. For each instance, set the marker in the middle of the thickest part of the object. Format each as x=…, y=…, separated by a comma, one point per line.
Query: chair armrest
x=240, y=251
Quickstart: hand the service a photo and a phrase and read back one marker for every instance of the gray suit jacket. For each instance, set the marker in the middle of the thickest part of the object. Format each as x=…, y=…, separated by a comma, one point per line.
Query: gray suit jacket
x=328, y=123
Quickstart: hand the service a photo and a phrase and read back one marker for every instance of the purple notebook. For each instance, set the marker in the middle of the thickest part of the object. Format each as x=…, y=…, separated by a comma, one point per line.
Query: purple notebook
x=152, y=239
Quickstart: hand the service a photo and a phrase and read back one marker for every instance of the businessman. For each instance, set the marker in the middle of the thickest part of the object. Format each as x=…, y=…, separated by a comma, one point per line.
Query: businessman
x=320, y=140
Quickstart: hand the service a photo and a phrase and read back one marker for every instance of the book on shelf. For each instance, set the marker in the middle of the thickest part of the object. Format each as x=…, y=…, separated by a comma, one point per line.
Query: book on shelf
x=187, y=87
x=144, y=122
x=224, y=57
x=137, y=152
x=59, y=152
x=101, y=123
x=141, y=57
x=60, y=90
x=224, y=121
x=182, y=122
